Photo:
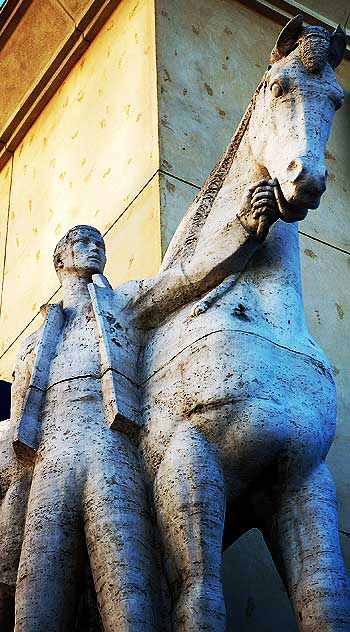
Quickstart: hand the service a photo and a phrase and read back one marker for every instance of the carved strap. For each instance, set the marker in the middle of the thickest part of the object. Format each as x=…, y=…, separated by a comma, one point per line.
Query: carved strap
x=26, y=438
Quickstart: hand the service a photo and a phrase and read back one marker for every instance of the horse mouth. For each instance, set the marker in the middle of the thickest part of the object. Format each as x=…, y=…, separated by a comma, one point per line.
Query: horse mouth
x=291, y=211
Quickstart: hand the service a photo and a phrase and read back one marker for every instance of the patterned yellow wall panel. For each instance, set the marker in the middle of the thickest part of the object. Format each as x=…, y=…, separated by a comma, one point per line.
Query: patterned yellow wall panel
x=7, y=359
x=85, y=159
x=133, y=243
x=133, y=252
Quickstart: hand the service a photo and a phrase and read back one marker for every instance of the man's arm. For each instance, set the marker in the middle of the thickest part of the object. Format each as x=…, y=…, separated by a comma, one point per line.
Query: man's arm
x=223, y=253
x=22, y=373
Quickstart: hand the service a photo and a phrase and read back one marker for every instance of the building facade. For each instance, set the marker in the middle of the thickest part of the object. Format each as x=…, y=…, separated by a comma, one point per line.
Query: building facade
x=112, y=114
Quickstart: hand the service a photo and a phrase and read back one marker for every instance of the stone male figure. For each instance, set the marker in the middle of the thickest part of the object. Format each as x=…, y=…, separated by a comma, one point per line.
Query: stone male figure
x=87, y=487
x=76, y=380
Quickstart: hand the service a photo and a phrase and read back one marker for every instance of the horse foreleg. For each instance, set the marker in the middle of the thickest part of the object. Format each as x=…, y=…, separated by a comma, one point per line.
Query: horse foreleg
x=303, y=539
x=190, y=504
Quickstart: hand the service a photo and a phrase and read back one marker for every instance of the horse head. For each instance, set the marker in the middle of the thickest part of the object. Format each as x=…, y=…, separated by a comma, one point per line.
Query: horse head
x=293, y=114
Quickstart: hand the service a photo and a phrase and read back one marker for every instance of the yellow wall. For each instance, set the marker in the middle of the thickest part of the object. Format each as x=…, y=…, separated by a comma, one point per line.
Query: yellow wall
x=86, y=158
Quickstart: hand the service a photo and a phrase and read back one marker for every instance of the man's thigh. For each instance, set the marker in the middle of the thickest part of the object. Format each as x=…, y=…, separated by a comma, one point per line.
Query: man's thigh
x=51, y=554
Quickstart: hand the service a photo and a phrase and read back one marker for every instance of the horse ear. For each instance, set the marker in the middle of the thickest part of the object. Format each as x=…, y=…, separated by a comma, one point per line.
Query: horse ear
x=337, y=47
x=287, y=38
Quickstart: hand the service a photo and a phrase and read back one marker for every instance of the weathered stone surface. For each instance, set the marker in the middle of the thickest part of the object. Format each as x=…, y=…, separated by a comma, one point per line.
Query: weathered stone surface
x=76, y=8
x=207, y=72
x=202, y=96
x=236, y=400
x=332, y=222
x=87, y=488
x=5, y=183
x=175, y=197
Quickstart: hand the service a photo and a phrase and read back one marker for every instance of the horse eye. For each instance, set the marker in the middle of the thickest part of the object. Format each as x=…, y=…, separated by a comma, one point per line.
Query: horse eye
x=276, y=90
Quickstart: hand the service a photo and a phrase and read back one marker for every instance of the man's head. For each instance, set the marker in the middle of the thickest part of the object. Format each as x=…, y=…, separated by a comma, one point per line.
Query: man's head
x=81, y=252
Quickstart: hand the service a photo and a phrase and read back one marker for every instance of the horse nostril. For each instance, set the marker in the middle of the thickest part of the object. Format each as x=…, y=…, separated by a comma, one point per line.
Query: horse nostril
x=295, y=169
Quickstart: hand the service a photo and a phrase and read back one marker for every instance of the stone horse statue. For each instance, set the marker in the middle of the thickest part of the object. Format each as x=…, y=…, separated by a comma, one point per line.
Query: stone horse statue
x=239, y=401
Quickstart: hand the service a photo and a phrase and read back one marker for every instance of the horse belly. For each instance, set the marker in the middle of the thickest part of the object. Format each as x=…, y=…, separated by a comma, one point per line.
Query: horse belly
x=249, y=396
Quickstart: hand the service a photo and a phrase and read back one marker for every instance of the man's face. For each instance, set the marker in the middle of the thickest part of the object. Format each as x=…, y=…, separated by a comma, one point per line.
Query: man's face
x=84, y=254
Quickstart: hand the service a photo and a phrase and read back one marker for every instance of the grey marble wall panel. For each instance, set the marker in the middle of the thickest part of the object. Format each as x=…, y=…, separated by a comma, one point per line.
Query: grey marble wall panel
x=325, y=272
x=211, y=56
x=254, y=594
x=337, y=11
x=175, y=198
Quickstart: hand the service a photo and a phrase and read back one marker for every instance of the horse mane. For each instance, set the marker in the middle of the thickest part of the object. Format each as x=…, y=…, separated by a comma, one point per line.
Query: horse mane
x=186, y=242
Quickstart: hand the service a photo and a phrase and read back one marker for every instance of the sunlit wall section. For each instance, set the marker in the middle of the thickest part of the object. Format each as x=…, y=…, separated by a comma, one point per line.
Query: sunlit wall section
x=86, y=159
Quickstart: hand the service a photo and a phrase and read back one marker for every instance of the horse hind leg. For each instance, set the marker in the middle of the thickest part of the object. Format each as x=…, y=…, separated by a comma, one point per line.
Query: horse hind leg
x=190, y=504
x=303, y=539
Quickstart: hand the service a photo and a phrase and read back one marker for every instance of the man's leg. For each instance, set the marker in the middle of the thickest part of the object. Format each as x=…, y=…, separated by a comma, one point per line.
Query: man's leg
x=119, y=540
x=51, y=553
x=190, y=505
x=303, y=539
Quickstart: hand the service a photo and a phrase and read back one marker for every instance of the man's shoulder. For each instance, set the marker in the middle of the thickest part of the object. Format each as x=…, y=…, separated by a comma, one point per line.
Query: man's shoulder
x=29, y=344
x=127, y=292
x=123, y=296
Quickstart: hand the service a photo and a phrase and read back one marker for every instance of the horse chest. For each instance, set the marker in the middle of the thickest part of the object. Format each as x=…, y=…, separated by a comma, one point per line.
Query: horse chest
x=242, y=390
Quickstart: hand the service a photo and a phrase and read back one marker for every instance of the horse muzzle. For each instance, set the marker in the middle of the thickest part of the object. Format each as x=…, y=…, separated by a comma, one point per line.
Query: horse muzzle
x=303, y=186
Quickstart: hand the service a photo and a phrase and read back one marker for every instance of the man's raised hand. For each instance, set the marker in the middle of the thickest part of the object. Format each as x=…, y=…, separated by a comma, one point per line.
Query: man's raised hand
x=259, y=208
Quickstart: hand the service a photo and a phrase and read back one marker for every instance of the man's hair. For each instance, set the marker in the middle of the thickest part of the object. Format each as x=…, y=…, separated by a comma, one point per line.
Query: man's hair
x=63, y=243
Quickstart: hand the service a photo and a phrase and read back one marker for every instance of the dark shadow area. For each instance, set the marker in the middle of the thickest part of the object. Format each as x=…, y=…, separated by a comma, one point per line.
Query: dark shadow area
x=5, y=400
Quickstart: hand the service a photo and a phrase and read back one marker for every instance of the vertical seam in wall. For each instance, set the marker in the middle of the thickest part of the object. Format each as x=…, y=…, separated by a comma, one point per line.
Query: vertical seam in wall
x=156, y=77
x=155, y=13
x=6, y=234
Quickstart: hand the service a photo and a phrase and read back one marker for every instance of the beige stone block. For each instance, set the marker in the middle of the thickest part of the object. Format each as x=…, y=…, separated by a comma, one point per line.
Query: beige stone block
x=86, y=158
x=175, y=198
x=327, y=306
x=8, y=350
x=85, y=11
x=133, y=243
x=5, y=185
x=210, y=61
x=48, y=24
x=133, y=252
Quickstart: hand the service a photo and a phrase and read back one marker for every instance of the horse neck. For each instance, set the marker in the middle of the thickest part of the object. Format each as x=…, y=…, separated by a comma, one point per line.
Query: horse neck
x=220, y=200
x=278, y=261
